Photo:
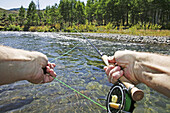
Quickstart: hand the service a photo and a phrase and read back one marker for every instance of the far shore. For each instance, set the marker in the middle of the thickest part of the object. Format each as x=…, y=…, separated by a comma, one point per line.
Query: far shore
x=115, y=36
x=126, y=38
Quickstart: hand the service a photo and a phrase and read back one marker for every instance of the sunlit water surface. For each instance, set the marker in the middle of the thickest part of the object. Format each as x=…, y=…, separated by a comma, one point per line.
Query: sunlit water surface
x=82, y=69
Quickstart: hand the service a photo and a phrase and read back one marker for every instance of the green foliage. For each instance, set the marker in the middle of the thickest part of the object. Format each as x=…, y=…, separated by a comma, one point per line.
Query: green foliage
x=2, y=27
x=109, y=26
x=13, y=28
x=57, y=27
x=31, y=14
x=155, y=27
x=10, y=18
x=96, y=15
x=39, y=28
x=21, y=15
x=149, y=26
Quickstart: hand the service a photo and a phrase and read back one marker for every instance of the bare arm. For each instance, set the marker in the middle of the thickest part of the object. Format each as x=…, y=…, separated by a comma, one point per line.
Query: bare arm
x=154, y=71
x=141, y=67
x=17, y=64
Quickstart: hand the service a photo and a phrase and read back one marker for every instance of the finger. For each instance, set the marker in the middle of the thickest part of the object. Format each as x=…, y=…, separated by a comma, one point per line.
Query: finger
x=111, y=59
x=47, y=69
x=51, y=65
x=105, y=68
x=115, y=69
x=52, y=73
x=109, y=68
x=115, y=76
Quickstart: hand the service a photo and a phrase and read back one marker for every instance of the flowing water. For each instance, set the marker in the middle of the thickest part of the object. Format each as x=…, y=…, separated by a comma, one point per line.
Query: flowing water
x=82, y=69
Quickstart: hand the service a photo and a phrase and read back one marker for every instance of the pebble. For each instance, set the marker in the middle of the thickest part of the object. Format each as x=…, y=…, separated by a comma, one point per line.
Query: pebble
x=128, y=38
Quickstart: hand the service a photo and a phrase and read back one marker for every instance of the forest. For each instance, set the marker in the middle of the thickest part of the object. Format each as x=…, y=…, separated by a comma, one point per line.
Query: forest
x=94, y=16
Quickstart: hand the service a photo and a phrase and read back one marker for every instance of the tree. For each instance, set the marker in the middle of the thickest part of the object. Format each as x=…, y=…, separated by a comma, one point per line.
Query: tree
x=80, y=13
x=31, y=14
x=47, y=17
x=90, y=10
x=100, y=12
x=10, y=19
x=64, y=10
x=21, y=15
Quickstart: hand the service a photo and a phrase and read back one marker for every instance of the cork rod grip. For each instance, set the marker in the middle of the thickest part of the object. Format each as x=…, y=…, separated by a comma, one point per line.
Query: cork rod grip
x=136, y=93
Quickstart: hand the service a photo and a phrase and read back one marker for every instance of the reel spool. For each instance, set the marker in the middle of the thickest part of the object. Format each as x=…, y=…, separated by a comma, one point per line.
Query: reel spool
x=119, y=100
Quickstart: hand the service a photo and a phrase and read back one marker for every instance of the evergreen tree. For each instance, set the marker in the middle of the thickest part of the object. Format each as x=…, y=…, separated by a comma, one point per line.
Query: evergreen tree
x=80, y=13
x=10, y=18
x=31, y=14
x=64, y=10
x=90, y=10
x=47, y=17
x=21, y=15
x=145, y=13
x=100, y=12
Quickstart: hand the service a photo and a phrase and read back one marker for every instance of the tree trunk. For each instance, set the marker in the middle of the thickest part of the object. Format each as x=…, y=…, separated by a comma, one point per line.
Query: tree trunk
x=127, y=23
x=156, y=17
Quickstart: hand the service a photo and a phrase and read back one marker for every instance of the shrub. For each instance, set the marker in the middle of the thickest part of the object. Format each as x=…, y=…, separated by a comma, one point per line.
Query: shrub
x=39, y=28
x=57, y=27
x=101, y=28
x=69, y=29
x=91, y=28
x=109, y=26
x=2, y=27
x=155, y=27
x=32, y=28
x=12, y=27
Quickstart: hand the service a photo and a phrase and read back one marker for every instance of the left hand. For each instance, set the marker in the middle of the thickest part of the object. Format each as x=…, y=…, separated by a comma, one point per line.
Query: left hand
x=44, y=78
x=18, y=64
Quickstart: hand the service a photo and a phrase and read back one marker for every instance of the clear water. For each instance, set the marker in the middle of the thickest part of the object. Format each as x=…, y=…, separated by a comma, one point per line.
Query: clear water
x=82, y=69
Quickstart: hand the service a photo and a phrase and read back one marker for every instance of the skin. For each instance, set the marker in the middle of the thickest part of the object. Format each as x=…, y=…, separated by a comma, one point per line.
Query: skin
x=18, y=64
x=140, y=67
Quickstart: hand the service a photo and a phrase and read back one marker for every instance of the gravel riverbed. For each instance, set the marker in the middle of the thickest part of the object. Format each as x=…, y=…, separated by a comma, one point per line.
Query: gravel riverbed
x=127, y=38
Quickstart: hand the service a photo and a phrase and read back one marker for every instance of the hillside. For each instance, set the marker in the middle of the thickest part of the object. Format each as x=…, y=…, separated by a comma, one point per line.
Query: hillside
x=15, y=9
x=2, y=11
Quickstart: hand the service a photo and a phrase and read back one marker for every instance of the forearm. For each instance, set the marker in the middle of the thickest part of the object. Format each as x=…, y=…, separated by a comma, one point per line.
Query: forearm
x=17, y=64
x=154, y=71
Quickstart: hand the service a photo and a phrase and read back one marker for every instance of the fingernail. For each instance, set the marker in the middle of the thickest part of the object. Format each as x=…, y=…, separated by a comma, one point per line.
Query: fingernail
x=105, y=67
x=121, y=73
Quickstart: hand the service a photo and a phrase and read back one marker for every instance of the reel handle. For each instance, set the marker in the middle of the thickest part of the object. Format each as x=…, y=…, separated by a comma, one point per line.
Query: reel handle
x=136, y=93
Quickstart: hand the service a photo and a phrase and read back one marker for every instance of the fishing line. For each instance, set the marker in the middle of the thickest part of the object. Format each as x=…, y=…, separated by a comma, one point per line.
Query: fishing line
x=91, y=44
x=65, y=53
x=70, y=86
x=80, y=93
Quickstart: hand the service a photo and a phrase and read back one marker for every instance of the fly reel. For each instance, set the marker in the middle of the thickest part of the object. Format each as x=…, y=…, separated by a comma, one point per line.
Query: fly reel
x=119, y=100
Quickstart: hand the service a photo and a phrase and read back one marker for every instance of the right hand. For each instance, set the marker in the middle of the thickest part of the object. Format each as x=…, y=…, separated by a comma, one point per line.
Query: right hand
x=124, y=61
x=140, y=67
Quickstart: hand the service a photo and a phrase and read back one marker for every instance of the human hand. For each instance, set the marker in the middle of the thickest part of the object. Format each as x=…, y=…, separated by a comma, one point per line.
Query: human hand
x=39, y=76
x=18, y=64
x=124, y=61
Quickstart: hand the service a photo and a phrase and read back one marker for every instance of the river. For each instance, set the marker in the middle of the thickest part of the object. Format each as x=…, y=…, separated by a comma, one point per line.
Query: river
x=82, y=69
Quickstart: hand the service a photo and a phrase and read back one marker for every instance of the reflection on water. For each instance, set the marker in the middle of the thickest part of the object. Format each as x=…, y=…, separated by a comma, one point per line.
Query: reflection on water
x=82, y=69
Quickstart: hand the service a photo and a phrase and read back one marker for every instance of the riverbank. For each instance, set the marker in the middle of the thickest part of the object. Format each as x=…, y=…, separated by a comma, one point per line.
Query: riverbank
x=111, y=36
x=126, y=38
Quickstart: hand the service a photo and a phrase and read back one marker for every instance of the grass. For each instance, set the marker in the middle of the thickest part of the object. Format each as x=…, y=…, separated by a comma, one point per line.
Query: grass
x=139, y=32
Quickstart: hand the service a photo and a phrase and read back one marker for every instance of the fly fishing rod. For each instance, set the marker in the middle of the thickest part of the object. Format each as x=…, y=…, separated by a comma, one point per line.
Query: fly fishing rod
x=122, y=95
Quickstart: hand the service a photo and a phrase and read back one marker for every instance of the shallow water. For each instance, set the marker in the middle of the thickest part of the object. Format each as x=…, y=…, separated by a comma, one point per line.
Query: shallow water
x=82, y=69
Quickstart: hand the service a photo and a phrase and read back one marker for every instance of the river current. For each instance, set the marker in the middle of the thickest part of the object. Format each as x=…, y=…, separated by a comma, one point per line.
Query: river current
x=82, y=69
